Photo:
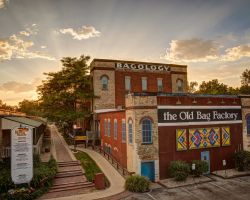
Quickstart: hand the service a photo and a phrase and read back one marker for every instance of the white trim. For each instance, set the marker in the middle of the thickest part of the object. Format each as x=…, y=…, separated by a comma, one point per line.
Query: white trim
x=199, y=107
x=107, y=110
x=199, y=123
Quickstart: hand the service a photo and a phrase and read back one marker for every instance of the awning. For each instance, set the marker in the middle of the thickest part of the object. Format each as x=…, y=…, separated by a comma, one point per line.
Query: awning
x=25, y=120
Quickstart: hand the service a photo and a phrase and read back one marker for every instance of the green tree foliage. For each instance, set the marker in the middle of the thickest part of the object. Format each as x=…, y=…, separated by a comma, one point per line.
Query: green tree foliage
x=192, y=87
x=6, y=107
x=245, y=77
x=30, y=107
x=64, y=94
x=213, y=87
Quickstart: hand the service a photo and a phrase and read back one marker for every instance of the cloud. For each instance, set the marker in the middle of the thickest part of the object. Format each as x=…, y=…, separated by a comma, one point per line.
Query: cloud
x=15, y=47
x=85, y=32
x=32, y=30
x=3, y=3
x=19, y=87
x=5, y=50
x=43, y=47
x=236, y=53
x=192, y=50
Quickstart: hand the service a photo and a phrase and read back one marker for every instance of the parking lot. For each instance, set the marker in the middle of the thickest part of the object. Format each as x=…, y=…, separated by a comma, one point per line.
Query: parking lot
x=229, y=189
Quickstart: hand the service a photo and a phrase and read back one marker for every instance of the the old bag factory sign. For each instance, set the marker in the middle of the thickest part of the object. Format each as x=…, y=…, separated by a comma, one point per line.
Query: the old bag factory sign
x=140, y=66
x=169, y=115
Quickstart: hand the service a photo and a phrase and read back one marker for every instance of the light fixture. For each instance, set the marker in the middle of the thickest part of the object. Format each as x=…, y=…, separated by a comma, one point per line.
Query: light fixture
x=209, y=101
x=178, y=101
x=194, y=101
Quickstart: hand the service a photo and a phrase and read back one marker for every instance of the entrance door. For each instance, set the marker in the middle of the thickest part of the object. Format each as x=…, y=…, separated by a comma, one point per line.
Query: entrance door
x=206, y=157
x=148, y=170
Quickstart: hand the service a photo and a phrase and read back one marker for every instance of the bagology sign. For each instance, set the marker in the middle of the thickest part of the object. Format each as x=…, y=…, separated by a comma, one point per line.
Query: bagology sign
x=139, y=66
x=21, y=155
x=191, y=115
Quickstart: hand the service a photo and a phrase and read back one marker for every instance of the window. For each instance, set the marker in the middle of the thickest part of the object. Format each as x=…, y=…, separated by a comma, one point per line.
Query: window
x=115, y=129
x=123, y=131
x=159, y=85
x=104, y=80
x=130, y=131
x=127, y=83
x=105, y=127
x=144, y=83
x=248, y=124
x=146, y=131
x=179, y=85
x=108, y=127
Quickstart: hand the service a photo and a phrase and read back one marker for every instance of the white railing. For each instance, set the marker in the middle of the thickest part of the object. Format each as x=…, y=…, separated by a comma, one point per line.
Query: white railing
x=6, y=152
x=37, y=149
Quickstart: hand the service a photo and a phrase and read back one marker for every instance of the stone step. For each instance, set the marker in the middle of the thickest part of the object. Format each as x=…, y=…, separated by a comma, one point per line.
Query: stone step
x=69, y=171
x=56, y=184
x=71, y=184
x=70, y=163
x=69, y=174
x=73, y=187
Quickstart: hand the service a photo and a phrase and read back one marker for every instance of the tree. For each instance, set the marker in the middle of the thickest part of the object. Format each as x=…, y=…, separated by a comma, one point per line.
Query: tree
x=245, y=82
x=30, y=107
x=192, y=87
x=213, y=87
x=245, y=78
x=64, y=95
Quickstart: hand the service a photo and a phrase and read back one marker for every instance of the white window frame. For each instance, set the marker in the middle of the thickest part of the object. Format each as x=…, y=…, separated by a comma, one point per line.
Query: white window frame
x=130, y=131
x=127, y=83
x=115, y=129
x=144, y=84
x=160, y=84
x=109, y=128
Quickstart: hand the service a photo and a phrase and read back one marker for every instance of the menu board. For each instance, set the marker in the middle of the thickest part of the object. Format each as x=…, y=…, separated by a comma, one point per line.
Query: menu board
x=21, y=155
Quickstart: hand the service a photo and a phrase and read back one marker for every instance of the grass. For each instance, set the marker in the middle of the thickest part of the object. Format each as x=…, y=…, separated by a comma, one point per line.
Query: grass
x=89, y=165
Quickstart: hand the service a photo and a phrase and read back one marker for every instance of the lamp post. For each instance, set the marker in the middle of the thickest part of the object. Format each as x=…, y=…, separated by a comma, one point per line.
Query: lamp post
x=224, y=163
x=193, y=169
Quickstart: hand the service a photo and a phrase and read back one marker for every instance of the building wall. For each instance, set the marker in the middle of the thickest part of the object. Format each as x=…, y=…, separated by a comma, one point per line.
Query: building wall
x=138, y=152
x=136, y=85
x=245, y=101
x=168, y=152
x=106, y=98
x=118, y=147
x=167, y=135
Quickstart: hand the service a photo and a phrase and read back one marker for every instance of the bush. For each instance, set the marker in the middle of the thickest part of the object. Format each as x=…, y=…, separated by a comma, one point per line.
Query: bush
x=242, y=160
x=179, y=170
x=137, y=184
x=201, y=167
x=42, y=180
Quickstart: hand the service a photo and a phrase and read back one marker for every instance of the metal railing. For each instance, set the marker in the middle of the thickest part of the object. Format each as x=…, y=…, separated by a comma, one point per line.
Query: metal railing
x=123, y=171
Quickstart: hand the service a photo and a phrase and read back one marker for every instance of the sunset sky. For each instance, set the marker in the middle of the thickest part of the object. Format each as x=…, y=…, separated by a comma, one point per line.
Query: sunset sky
x=211, y=37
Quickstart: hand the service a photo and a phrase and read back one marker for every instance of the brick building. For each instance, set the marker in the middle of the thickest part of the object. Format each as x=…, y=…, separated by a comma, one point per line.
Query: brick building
x=145, y=118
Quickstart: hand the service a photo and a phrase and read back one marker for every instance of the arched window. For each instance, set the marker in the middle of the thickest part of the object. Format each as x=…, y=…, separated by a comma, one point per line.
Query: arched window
x=248, y=124
x=179, y=84
x=115, y=129
x=130, y=131
x=104, y=81
x=146, y=131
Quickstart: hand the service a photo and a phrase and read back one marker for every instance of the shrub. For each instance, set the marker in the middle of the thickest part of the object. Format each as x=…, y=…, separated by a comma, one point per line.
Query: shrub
x=43, y=173
x=201, y=167
x=137, y=184
x=179, y=170
x=242, y=160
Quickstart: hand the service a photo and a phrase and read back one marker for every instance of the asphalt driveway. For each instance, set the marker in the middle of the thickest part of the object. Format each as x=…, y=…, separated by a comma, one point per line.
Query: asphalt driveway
x=219, y=189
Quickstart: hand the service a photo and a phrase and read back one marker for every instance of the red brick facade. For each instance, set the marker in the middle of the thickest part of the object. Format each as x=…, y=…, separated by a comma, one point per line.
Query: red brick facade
x=117, y=146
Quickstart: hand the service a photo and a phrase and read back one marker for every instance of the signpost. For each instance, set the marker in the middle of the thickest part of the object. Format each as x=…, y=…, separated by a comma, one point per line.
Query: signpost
x=21, y=155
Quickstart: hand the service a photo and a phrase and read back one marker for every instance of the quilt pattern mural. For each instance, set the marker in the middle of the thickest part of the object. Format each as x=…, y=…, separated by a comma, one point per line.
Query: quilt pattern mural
x=181, y=139
x=204, y=138
x=225, y=136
